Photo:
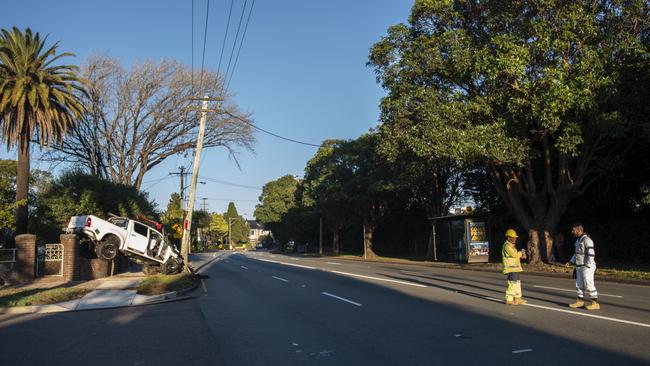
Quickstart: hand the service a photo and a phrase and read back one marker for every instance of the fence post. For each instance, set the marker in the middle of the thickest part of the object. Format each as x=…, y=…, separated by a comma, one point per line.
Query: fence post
x=70, y=244
x=26, y=256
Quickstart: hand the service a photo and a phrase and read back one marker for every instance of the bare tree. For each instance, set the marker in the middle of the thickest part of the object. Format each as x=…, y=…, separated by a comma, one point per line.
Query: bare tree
x=138, y=118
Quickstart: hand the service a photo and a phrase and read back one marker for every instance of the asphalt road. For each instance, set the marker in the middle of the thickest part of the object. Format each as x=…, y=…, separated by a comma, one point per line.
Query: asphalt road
x=264, y=309
x=268, y=309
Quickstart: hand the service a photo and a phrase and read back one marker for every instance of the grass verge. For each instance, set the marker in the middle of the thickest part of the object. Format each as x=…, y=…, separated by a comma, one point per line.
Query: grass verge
x=20, y=297
x=160, y=284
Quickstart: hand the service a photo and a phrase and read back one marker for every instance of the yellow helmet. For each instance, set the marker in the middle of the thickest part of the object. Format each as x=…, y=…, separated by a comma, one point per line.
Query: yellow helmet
x=511, y=233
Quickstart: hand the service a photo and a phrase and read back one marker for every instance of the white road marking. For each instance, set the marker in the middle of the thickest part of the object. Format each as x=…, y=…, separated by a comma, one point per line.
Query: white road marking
x=272, y=256
x=341, y=298
x=280, y=278
x=244, y=267
x=574, y=290
x=380, y=279
x=286, y=264
x=297, y=265
x=338, y=264
x=294, y=259
x=590, y=315
x=205, y=290
x=523, y=350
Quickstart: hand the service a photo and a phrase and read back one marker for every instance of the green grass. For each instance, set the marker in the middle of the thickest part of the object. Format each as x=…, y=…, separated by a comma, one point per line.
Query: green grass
x=160, y=284
x=20, y=297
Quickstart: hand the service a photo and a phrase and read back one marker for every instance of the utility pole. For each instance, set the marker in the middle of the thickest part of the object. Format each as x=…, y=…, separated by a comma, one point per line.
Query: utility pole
x=204, y=204
x=187, y=224
x=182, y=174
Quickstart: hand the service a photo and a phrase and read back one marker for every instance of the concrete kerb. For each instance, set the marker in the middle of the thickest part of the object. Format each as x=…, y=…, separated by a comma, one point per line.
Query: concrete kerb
x=138, y=300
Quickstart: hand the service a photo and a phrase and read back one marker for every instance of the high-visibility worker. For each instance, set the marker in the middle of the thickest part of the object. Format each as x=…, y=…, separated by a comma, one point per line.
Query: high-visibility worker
x=511, y=266
x=585, y=262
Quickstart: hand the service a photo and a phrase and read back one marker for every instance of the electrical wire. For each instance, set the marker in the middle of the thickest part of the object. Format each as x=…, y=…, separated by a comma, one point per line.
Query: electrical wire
x=250, y=11
x=269, y=132
x=205, y=38
x=155, y=182
x=234, y=43
x=229, y=183
x=225, y=38
x=192, y=78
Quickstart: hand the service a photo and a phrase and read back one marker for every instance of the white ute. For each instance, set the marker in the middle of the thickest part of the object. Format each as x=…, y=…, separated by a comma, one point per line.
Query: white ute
x=134, y=239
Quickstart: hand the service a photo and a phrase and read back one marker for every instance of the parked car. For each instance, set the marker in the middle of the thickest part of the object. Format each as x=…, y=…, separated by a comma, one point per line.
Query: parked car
x=139, y=240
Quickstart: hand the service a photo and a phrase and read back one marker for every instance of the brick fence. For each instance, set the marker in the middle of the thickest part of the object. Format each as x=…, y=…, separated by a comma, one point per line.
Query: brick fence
x=76, y=265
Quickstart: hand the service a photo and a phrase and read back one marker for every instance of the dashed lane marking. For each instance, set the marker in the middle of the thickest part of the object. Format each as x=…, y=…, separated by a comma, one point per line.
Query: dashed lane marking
x=341, y=298
x=380, y=279
x=280, y=278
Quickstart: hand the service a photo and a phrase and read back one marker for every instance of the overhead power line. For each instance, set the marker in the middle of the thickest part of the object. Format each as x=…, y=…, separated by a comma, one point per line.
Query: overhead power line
x=234, y=43
x=225, y=38
x=192, y=78
x=269, y=132
x=229, y=183
x=205, y=38
x=250, y=11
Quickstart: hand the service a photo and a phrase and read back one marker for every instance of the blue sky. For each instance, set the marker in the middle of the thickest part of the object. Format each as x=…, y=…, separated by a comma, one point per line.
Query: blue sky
x=301, y=72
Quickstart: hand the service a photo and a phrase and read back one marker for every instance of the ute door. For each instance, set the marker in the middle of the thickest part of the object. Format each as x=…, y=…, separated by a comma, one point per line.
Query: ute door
x=138, y=237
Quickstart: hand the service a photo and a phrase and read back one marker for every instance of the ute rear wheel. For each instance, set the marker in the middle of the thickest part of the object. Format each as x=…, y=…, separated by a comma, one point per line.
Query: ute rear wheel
x=108, y=247
x=172, y=266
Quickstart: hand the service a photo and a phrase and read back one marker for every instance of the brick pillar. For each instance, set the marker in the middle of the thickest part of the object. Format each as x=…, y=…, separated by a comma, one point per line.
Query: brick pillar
x=26, y=256
x=70, y=254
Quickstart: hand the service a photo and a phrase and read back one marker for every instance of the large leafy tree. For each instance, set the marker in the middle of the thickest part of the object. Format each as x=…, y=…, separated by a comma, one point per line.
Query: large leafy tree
x=323, y=188
x=531, y=90
x=238, y=227
x=277, y=198
x=38, y=99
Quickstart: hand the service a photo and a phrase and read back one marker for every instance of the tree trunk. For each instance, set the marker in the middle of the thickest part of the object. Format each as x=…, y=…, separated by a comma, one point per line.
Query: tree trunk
x=22, y=188
x=368, y=231
x=335, y=242
x=533, y=246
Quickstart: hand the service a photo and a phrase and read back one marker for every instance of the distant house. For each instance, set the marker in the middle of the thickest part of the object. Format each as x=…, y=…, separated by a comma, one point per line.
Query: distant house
x=256, y=232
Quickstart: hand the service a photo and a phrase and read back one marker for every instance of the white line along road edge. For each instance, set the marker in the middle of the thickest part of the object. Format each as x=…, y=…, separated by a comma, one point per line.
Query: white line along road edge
x=574, y=290
x=341, y=298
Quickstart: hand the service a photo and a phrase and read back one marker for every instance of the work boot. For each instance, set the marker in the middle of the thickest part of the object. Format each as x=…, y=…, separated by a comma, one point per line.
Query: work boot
x=512, y=302
x=578, y=304
x=593, y=306
x=520, y=301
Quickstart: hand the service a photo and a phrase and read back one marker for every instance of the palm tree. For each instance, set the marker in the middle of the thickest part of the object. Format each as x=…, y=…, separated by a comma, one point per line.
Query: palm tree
x=37, y=100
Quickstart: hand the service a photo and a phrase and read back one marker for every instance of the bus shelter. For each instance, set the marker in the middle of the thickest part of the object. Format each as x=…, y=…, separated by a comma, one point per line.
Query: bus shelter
x=461, y=238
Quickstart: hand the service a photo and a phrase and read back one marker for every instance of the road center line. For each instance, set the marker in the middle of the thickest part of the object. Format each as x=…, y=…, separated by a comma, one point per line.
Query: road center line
x=567, y=290
x=280, y=278
x=341, y=298
x=380, y=279
x=523, y=350
x=338, y=264
x=244, y=267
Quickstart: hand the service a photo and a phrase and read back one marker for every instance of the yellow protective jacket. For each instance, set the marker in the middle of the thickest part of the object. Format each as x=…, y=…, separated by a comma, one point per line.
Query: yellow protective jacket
x=510, y=258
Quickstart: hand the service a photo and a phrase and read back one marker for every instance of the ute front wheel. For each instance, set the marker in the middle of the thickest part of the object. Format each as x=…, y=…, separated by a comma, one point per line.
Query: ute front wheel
x=107, y=248
x=172, y=266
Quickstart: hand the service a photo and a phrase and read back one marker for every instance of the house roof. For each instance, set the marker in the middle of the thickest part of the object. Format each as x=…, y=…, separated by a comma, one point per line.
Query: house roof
x=253, y=224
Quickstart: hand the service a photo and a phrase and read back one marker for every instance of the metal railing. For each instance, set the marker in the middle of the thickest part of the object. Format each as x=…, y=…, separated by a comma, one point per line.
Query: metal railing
x=8, y=255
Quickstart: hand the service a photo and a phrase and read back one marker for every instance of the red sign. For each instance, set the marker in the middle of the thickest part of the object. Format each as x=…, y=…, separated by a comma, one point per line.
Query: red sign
x=187, y=224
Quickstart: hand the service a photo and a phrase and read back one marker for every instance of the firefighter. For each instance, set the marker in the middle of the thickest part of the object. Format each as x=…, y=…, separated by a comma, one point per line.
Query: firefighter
x=584, y=260
x=511, y=266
